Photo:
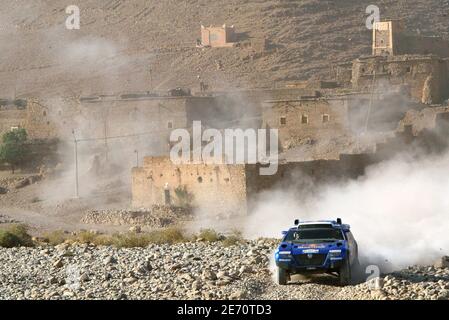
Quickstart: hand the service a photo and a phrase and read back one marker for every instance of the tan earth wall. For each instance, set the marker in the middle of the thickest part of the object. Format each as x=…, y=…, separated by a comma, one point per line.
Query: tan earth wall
x=215, y=188
x=317, y=112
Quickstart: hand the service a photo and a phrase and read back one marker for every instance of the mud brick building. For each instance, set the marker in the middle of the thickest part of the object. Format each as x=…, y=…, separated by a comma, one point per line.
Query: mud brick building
x=150, y=118
x=31, y=115
x=391, y=38
x=309, y=118
x=217, y=37
x=234, y=189
x=212, y=187
x=229, y=189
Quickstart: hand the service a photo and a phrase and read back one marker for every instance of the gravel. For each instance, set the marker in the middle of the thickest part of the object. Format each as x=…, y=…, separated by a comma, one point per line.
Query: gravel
x=196, y=270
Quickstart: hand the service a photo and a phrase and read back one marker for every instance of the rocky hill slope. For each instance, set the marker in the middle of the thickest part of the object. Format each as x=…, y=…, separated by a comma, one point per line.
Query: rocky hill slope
x=141, y=45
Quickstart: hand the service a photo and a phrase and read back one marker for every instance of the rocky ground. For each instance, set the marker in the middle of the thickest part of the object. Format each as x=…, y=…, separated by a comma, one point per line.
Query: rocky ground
x=157, y=217
x=187, y=271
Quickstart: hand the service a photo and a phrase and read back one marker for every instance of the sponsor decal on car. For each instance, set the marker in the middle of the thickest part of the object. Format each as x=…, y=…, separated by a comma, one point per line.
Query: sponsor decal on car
x=310, y=250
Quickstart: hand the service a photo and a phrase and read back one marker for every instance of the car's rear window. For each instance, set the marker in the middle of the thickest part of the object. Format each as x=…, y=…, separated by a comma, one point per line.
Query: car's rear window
x=324, y=234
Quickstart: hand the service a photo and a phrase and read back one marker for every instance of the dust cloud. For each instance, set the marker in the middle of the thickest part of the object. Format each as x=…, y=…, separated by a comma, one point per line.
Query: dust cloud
x=397, y=211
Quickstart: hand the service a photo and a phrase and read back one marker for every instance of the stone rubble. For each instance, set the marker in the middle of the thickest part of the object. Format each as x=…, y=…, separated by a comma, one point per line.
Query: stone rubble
x=193, y=270
x=157, y=216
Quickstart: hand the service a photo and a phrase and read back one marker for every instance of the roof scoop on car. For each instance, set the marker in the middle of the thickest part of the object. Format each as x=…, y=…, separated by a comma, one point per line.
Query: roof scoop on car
x=339, y=221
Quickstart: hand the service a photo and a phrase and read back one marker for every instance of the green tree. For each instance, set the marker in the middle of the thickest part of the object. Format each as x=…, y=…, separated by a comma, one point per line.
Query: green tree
x=184, y=197
x=14, y=149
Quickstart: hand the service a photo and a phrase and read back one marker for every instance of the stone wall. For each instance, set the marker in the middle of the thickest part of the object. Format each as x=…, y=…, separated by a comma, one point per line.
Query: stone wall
x=407, y=72
x=310, y=119
x=213, y=188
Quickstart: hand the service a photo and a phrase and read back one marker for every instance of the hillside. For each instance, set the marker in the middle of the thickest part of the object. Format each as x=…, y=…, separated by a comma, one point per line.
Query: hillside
x=120, y=41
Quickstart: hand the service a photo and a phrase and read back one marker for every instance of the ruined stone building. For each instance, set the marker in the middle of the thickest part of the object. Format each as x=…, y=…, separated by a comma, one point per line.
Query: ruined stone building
x=309, y=118
x=211, y=187
x=418, y=65
x=225, y=189
x=423, y=78
x=229, y=189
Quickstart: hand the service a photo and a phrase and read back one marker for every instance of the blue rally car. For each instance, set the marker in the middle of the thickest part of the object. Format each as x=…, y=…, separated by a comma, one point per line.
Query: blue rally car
x=317, y=247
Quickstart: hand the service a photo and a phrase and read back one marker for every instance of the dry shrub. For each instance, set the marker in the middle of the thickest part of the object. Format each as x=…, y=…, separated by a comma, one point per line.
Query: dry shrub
x=233, y=239
x=15, y=236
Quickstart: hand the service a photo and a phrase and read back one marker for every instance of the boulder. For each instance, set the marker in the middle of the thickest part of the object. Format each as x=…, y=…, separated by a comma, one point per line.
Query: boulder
x=22, y=184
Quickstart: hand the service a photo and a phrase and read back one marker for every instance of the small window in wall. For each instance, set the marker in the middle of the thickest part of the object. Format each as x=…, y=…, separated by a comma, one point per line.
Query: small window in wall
x=170, y=124
x=200, y=179
x=326, y=118
x=409, y=69
x=44, y=113
x=283, y=121
x=304, y=119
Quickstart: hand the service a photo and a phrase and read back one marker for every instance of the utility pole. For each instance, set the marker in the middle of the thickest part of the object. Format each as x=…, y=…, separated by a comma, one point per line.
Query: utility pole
x=105, y=129
x=370, y=101
x=75, y=141
x=159, y=129
x=137, y=157
x=150, y=74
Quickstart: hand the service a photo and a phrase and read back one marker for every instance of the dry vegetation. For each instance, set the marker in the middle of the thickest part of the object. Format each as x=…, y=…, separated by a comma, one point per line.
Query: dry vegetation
x=17, y=236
